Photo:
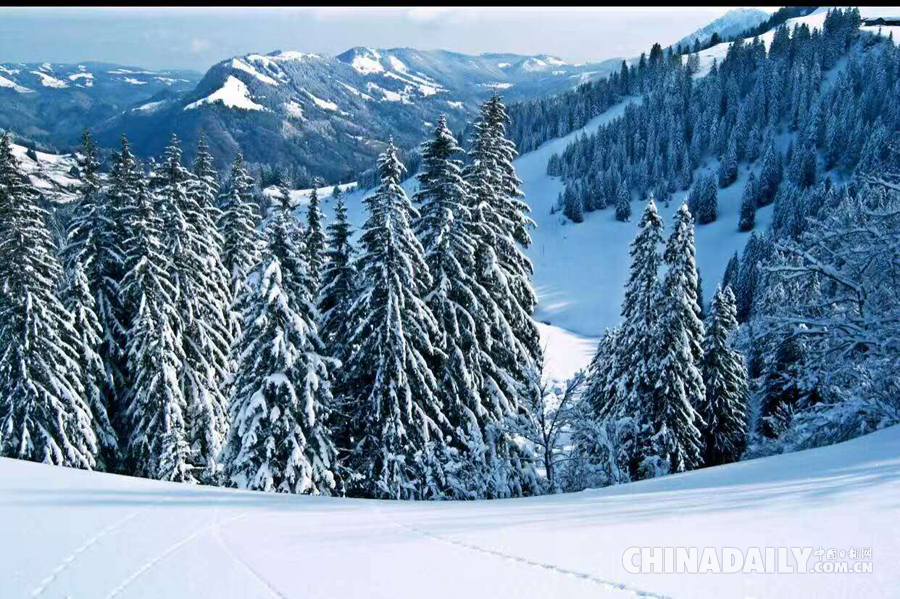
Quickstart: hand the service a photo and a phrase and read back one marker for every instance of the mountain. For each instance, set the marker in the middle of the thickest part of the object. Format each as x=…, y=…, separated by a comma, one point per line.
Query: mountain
x=733, y=22
x=332, y=115
x=53, y=102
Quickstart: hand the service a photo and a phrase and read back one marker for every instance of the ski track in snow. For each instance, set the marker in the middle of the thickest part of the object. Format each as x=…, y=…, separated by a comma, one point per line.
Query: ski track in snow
x=250, y=570
x=607, y=585
x=171, y=549
x=67, y=562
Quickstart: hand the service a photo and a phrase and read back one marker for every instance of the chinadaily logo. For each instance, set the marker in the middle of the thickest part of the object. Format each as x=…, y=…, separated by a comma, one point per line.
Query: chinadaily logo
x=763, y=560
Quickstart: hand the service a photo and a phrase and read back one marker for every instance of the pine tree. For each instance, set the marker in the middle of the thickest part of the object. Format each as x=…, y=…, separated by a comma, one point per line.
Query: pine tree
x=43, y=414
x=397, y=423
x=729, y=279
x=339, y=278
x=748, y=204
x=675, y=444
x=97, y=236
x=464, y=310
x=637, y=341
x=158, y=441
x=501, y=223
x=281, y=396
x=240, y=240
x=315, y=240
x=94, y=246
x=724, y=407
x=623, y=203
x=770, y=175
x=85, y=338
x=208, y=338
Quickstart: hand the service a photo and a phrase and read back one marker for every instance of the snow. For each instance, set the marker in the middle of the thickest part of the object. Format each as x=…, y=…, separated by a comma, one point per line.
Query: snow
x=498, y=85
x=293, y=109
x=294, y=55
x=565, y=353
x=81, y=75
x=396, y=64
x=389, y=96
x=884, y=31
x=503, y=65
x=323, y=104
x=233, y=94
x=150, y=107
x=134, y=81
x=242, y=66
x=455, y=104
x=356, y=92
x=425, y=87
x=4, y=82
x=48, y=81
x=534, y=64
x=367, y=62
x=84, y=534
x=9, y=71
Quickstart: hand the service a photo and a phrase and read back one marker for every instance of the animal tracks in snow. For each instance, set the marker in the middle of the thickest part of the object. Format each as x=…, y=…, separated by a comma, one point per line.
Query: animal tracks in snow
x=606, y=584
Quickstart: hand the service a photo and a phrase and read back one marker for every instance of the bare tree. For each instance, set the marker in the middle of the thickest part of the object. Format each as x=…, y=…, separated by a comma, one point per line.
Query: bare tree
x=552, y=412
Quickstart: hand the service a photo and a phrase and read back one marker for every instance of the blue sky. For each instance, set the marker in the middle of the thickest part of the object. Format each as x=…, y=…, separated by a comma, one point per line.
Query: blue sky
x=196, y=38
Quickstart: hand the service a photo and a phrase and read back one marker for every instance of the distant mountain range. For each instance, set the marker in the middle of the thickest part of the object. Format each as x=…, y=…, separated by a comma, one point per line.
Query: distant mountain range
x=330, y=114
x=53, y=103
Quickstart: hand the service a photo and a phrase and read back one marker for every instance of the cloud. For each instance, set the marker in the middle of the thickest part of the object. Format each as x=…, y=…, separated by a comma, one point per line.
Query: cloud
x=199, y=45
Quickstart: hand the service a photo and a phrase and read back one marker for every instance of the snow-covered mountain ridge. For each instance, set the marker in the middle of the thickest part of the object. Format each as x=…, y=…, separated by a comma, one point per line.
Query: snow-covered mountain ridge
x=333, y=114
x=55, y=102
x=733, y=22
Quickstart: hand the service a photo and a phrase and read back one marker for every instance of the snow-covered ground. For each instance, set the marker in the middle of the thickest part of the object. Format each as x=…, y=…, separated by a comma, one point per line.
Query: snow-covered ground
x=81, y=535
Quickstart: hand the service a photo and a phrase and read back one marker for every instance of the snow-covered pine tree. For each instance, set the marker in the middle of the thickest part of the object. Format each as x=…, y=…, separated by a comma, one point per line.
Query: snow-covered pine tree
x=623, y=203
x=463, y=310
x=94, y=246
x=501, y=223
x=43, y=413
x=86, y=338
x=314, y=239
x=748, y=204
x=281, y=395
x=339, y=278
x=635, y=379
x=157, y=445
x=397, y=422
x=675, y=443
x=728, y=167
x=724, y=407
x=730, y=277
x=336, y=295
x=97, y=236
x=208, y=338
x=240, y=239
x=202, y=327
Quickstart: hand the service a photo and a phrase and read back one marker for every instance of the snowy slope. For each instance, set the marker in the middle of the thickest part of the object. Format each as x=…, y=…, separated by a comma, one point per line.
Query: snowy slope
x=51, y=174
x=81, y=535
x=733, y=22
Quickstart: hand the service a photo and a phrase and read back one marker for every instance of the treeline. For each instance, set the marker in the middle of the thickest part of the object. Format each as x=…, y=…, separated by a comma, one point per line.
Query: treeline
x=181, y=335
